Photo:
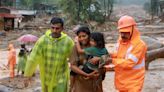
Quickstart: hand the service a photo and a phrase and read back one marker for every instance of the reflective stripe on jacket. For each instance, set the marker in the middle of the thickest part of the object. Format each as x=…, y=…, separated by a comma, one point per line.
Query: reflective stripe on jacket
x=129, y=61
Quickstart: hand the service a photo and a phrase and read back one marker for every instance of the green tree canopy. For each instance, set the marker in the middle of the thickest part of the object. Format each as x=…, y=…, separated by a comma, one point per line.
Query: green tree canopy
x=84, y=10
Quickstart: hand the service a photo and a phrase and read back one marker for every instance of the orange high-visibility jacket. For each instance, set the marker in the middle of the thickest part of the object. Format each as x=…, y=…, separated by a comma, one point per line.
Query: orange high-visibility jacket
x=12, y=59
x=129, y=61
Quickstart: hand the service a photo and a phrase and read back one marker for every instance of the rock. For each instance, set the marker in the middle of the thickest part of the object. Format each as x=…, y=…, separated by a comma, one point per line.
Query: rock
x=161, y=90
x=109, y=38
x=5, y=89
x=38, y=89
x=2, y=34
x=161, y=39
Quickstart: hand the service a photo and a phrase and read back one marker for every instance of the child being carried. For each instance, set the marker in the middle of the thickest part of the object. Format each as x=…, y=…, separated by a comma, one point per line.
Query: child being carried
x=97, y=49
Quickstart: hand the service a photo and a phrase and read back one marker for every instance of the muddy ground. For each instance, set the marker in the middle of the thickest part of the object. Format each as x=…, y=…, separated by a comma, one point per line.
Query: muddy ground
x=153, y=80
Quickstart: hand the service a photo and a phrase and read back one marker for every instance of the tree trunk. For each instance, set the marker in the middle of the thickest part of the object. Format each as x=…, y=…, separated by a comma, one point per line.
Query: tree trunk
x=111, y=9
x=78, y=12
x=104, y=9
x=152, y=55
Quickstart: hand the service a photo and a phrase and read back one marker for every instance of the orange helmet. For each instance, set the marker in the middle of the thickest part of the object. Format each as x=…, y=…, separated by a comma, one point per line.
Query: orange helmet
x=126, y=21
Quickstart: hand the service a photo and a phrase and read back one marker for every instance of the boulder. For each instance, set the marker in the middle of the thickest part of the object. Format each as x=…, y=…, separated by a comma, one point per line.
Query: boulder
x=5, y=89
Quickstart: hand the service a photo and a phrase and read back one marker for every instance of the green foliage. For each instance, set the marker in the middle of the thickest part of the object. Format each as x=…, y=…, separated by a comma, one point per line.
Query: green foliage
x=26, y=4
x=106, y=8
x=69, y=7
x=97, y=15
x=147, y=7
x=83, y=10
x=152, y=7
x=29, y=4
x=7, y=2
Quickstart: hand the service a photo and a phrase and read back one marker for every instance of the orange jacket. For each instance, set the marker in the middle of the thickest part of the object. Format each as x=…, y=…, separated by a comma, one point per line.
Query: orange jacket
x=129, y=61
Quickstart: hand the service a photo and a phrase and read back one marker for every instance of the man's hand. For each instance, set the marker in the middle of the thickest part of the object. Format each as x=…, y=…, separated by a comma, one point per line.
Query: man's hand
x=109, y=67
x=109, y=61
x=95, y=74
x=94, y=60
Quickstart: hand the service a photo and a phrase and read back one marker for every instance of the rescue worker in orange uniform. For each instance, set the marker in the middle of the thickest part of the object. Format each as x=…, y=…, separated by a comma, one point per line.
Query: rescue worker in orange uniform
x=11, y=60
x=129, y=57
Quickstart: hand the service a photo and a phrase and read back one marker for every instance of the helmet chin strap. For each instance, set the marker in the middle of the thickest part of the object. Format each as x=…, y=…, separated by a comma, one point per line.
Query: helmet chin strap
x=132, y=32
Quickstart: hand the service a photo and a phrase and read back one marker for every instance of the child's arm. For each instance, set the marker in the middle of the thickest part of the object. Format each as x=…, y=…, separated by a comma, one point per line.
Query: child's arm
x=79, y=49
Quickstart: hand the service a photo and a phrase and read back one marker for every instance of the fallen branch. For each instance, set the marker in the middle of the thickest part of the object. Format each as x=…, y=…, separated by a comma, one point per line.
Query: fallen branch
x=154, y=54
